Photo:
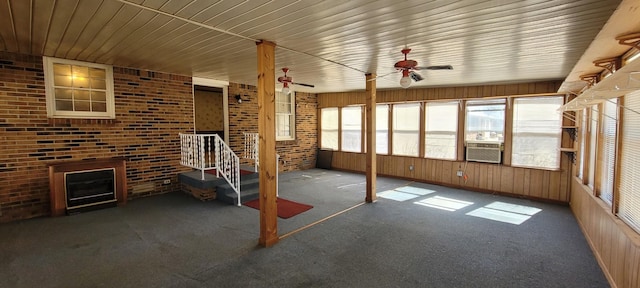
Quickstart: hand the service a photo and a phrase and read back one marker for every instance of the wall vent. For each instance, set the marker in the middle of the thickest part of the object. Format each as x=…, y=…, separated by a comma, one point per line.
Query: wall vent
x=489, y=152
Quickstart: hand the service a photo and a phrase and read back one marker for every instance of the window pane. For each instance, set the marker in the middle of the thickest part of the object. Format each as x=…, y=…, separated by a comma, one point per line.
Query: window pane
x=485, y=120
x=352, y=129
x=537, y=128
x=82, y=106
x=98, y=107
x=583, y=135
x=64, y=105
x=329, y=130
x=64, y=94
x=98, y=96
x=382, y=129
x=608, y=150
x=593, y=130
x=64, y=81
x=406, y=129
x=441, y=126
x=81, y=95
x=98, y=84
x=61, y=70
x=285, y=116
x=97, y=73
x=629, y=208
x=80, y=71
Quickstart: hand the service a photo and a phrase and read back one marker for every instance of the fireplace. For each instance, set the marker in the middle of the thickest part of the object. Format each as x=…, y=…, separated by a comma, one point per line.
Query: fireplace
x=90, y=188
x=77, y=186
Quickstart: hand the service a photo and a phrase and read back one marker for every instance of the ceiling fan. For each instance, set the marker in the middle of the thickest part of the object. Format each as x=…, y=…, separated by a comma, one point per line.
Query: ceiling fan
x=286, y=80
x=408, y=66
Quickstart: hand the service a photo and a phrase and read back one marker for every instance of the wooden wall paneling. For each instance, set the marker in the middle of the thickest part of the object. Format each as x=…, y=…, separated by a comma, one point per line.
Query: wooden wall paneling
x=400, y=166
x=524, y=89
x=483, y=175
x=554, y=185
x=614, y=244
x=518, y=181
x=535, y=185
x=447, y=171
x=506, y=179
x=546, y=179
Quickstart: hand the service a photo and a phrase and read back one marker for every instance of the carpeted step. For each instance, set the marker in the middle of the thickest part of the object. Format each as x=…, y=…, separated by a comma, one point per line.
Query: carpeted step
x=248, y=191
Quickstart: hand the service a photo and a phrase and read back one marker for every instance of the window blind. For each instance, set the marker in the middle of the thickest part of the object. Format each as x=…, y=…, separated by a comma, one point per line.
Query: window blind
x=608, y=150
x=593, y=136
x=329, y=128
x=382, y=129
x=536, y=132
x=583, y=139
x=406, y=129
x=352, y=129
x=441, y=126
x=629, y=186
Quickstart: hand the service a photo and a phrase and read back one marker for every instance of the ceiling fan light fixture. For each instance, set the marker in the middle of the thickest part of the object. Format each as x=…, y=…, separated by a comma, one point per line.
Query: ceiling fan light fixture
x=285, y=89
x=405, y=81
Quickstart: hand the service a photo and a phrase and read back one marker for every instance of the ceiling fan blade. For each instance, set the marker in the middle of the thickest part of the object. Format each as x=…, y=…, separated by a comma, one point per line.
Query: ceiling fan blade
x=302, y=84
x=415, y=76
x=436, y=67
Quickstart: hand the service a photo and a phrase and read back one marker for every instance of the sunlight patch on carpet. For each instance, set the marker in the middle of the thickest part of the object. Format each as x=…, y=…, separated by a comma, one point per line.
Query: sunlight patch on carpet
x=444, y=203
x=397, y=195
x=505, y=212
x=415, y=190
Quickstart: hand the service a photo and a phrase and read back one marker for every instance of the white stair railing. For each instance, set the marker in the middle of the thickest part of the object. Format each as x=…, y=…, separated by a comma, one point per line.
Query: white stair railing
x=207, y=152
x=251, y=149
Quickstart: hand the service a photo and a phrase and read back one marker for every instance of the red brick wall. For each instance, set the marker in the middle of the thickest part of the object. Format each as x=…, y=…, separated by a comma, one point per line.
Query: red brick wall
x=298, y=154
x=151, y=109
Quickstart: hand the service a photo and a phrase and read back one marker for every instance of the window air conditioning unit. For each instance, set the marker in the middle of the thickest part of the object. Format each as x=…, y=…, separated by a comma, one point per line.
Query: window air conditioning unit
x=489, y=152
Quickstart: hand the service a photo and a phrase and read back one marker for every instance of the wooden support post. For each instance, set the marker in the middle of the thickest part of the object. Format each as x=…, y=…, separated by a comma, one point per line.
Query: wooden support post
x=371, y=138
x=267, y=143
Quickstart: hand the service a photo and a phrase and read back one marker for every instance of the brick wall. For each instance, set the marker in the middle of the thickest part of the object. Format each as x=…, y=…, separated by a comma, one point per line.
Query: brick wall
x=151, y=109
x=298, y=154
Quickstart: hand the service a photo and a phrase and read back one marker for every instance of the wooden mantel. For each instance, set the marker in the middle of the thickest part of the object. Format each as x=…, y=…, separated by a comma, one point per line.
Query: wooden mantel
x=56, y=179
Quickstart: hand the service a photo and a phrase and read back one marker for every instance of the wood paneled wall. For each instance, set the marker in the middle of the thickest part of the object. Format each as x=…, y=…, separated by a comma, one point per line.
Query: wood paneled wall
x=516, y=181
x=342, y=99
x=614, y=244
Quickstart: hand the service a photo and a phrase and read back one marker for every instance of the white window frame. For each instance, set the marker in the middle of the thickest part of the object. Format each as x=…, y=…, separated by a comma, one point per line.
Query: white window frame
x=50, y=89
x=292, y=119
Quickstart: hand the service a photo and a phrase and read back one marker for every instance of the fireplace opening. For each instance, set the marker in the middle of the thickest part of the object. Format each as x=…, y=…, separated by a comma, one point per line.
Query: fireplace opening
x=90, y=189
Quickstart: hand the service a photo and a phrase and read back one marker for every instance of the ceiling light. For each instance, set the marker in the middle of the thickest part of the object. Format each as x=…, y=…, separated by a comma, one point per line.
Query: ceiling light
x=405, y=81
x=286, y=89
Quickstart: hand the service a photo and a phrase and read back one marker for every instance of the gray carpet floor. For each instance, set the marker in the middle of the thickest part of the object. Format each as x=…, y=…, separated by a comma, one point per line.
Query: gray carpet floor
x=434, y=239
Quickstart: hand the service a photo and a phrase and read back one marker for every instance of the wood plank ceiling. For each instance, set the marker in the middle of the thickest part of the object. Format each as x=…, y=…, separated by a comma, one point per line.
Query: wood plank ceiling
x=331, y=44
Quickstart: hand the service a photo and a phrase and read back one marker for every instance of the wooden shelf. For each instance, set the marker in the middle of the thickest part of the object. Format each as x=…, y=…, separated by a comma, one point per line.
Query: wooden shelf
x=568, y=149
